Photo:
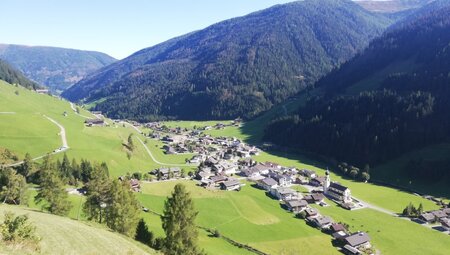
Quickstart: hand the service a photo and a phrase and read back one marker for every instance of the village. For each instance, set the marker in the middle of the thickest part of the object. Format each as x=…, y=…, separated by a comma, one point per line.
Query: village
x=225, y=163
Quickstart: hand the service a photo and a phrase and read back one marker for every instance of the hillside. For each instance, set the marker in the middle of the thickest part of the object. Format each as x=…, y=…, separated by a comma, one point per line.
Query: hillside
x=390, y=100
x=99, y=144
x=239, y=67
x=13, y=76
x=392, y=6
x=66, y=236
x=56, y=68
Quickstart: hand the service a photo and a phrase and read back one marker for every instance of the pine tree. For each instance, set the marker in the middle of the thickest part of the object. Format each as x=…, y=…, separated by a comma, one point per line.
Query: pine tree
x=98, y=194
x=143, y=235
x=65, y=167
x=13, y=187
x=178, y=223
x=122, y=212
x=130, y=142
x=51, y=190
x=420, y=209
x=27, y=167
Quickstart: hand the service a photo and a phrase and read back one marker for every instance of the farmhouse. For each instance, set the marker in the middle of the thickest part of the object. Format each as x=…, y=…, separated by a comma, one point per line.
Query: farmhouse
x=168, y=173
x=231, y=184
x=256, y=171
x=337, y=227
x=267, y=184
x=445, y=223
x=224, y=167
x=296, y=206
x=347, y=249
x=282, y=179
x=322, y=222
x=358, y=240
x=427, y=217
x=94, y=122
x=314, y=198
x=308, y=173
x=311, y=212
x=439, y=214
x=283, y=193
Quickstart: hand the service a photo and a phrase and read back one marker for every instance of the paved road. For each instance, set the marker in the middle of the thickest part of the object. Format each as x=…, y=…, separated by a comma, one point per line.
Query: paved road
x=64, y=147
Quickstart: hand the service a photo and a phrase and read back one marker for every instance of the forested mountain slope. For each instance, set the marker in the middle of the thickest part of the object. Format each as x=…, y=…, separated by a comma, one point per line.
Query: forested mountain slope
x=239, y=67
x=56, y=68
x=389, y=100
x=13, y=76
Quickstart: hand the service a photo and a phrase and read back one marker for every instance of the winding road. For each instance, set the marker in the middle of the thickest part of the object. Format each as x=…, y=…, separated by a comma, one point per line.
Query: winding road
x=148, y=150
x=64, y=147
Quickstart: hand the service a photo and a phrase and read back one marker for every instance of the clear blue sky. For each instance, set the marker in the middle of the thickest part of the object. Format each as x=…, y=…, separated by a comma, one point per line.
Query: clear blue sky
x=116, y=27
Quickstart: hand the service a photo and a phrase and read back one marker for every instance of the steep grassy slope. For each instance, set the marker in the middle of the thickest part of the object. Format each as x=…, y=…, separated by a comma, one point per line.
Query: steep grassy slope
x=56, y=68
x=25, y=129
x=239, y=67
x=65, y=236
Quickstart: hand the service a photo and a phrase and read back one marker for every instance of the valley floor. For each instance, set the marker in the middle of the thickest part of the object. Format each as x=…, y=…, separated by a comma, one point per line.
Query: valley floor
x=248, y=216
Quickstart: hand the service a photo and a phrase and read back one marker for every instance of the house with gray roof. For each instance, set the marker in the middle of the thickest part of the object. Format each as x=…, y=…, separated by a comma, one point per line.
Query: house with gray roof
x=358, y=240
x=267, y=184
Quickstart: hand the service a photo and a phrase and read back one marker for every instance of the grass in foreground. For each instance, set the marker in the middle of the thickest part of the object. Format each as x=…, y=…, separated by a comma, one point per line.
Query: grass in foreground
x=61, y=235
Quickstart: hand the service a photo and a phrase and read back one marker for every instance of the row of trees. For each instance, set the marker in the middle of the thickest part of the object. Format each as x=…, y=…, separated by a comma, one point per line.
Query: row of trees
x=411, y=211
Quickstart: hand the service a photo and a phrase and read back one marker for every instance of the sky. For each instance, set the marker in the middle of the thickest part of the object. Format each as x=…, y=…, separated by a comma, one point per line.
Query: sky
x=116, y=27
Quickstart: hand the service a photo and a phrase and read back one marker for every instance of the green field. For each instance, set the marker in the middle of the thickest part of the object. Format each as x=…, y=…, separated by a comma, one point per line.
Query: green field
x=61, y=235
x=392, y=199
x=389, y=234
x=248, y=216
x=28, y=131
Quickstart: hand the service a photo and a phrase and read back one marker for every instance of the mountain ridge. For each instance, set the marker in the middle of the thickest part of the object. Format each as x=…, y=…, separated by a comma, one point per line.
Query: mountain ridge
x=54, y=67
x=238, y=67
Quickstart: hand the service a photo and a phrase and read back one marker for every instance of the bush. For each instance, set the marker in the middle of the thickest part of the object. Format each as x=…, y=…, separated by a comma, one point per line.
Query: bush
x=18, y=229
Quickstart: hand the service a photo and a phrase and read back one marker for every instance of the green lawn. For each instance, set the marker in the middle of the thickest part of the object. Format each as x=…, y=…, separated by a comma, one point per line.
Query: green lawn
x=389, y=234
x=248, y=216
x=192, y=124
x=61, y=235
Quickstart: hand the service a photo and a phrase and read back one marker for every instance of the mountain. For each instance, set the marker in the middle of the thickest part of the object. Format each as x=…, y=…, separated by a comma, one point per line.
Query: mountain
x=56, y=68
x=392, y=6
x=239, y=67
x=13, y=76
x=387, y=101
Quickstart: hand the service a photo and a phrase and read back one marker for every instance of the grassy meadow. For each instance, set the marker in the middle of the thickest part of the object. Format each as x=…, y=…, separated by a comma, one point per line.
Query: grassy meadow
x=61, y=235
x=28, y=131
x=248, y=216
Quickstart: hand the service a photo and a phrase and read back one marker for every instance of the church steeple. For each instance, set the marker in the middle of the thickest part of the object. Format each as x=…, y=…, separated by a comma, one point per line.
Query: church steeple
x=326, y=183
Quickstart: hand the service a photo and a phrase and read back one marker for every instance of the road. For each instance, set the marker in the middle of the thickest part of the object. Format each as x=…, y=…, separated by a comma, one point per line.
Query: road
x=75, y=111
x=155, y=160
x=148, y=150
x=64, y=147
x=7, y=113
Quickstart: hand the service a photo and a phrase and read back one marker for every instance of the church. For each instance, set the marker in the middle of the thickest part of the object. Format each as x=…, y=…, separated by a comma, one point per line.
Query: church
x=335, y=190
